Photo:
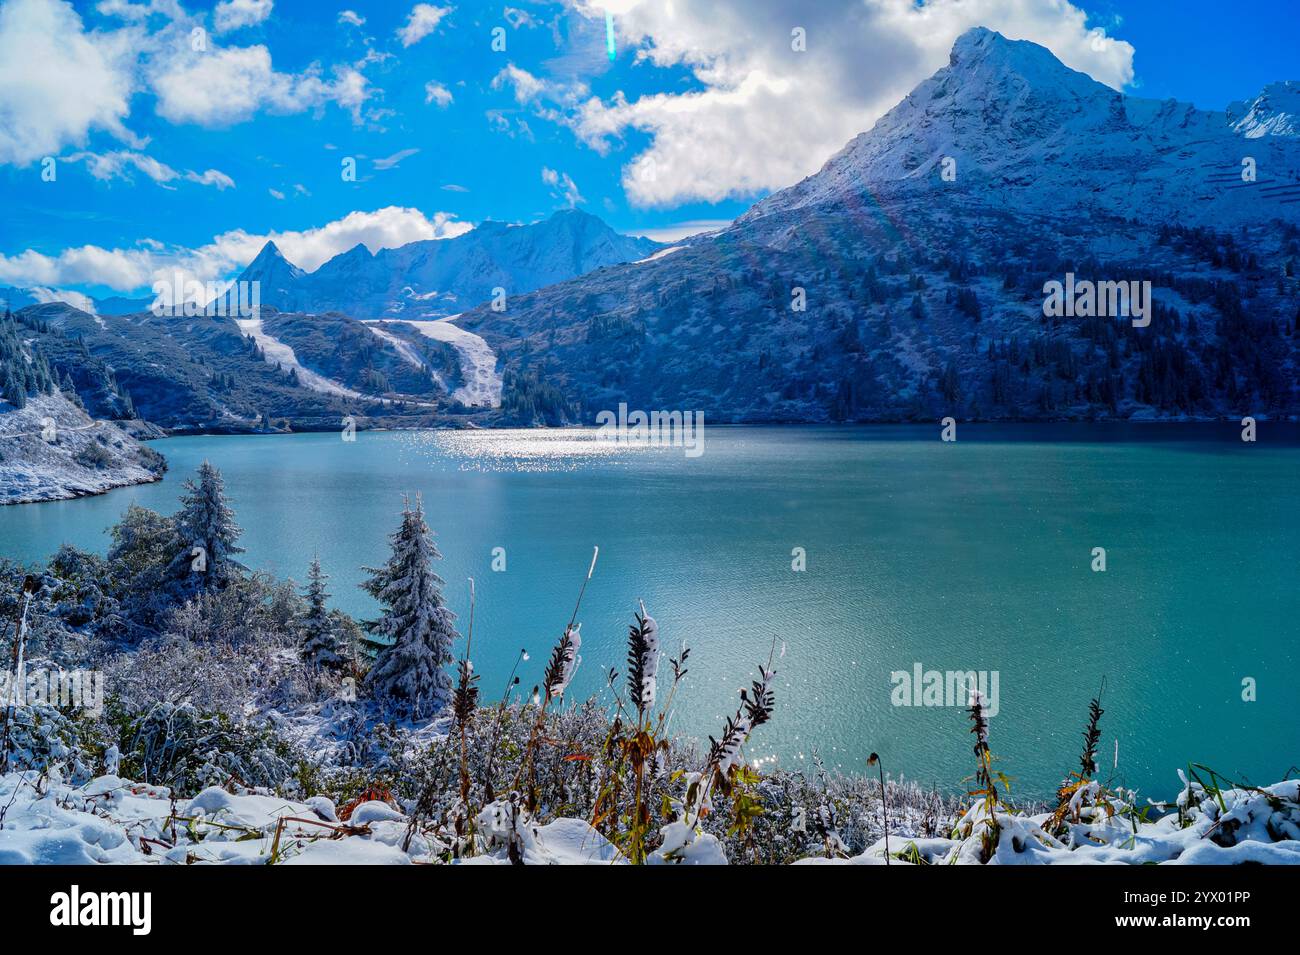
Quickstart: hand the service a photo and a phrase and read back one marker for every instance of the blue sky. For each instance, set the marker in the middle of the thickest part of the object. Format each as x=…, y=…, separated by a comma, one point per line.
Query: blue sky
x=170, y=156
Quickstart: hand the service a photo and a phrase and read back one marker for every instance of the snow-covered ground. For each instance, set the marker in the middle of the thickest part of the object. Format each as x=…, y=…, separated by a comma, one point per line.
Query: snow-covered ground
x=660, y=254
x=478, y=362
x=1225, y=827
x=277, y=351
x=116, y=821
x=52, y=450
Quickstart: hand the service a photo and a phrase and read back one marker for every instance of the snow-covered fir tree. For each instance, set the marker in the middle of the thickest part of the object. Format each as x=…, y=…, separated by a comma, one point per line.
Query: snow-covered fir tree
x=320, y=639
x=206, y=533
x=417, y=629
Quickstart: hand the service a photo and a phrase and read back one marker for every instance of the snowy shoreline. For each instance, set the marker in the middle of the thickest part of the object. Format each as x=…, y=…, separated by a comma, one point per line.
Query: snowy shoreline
x=52, y=451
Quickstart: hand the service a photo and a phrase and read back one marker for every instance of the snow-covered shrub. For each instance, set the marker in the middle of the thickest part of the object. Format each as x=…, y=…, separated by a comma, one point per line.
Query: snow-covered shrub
x=143, y=544
x=49, y=634
x=255, y=610
x=46, y=739
x=505, y=824
x=75, y=588
x=94, y=455
x=1231, y=814
x=180, y=746
x=252, y=683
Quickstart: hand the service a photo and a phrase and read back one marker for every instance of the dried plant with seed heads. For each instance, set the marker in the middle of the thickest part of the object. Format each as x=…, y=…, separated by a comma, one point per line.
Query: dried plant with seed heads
x=559, y=673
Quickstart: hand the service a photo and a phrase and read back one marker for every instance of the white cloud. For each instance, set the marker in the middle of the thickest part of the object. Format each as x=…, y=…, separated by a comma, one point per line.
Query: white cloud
x=58, y=82
x=512, y=125
x=766, y=115
x=424, y=19
x=119, y=164
x=435, y=92
x=352, y=17
x=226, y=255
x=212, y=177
x=391, y=161
x=75, y=299
x=237, y=14
x=136, y=12
x=276, y=194
x=526, y=86
x=562, y=187
x=120, y=269
x=224, y=86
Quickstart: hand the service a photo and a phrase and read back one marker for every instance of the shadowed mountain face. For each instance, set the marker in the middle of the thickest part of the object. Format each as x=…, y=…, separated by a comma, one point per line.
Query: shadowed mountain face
x=906, y=278
x=440, y=277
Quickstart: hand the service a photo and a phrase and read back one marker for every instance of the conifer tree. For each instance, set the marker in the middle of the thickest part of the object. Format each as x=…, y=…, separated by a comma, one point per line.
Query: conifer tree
x=207, y=534
x=70, y=391
x=320, y=642
x=417, y=628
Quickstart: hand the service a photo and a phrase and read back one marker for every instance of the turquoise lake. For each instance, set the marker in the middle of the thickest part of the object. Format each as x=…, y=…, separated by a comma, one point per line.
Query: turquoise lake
x=974, y=555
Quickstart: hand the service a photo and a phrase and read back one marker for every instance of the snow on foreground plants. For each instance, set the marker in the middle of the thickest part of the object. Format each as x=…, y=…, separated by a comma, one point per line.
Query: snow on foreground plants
x=246, y=722
x=113, y=820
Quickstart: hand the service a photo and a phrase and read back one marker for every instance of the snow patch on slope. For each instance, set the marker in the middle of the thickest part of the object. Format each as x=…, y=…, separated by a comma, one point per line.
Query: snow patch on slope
x=478, y=362
x=660, y=254
x=277, y=351
x=405, y=350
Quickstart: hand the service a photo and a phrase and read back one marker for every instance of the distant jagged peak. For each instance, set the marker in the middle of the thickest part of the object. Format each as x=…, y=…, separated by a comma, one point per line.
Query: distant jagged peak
x=359, y=256
x=269, y=252
x=271, y=259
x=440, y=272
x=1274, y=112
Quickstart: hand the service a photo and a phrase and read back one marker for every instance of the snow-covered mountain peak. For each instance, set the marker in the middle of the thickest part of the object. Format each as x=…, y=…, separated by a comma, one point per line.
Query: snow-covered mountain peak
x=1274, y=112
x=431, y=278
x=268, y=253
x=350, y=262
x=270, y=264
x=983, y=61
x=1007, y=124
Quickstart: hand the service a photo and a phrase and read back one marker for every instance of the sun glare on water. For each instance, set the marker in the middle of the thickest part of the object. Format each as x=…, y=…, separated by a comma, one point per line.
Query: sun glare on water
x=521, y=449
